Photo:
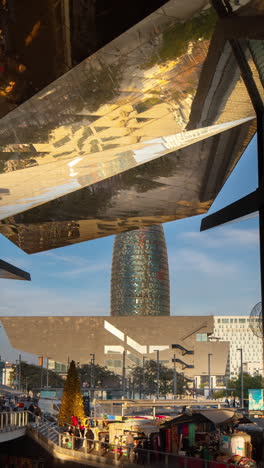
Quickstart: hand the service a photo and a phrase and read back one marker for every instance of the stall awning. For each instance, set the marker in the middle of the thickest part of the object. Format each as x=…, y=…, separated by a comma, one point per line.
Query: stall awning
x=220, y=416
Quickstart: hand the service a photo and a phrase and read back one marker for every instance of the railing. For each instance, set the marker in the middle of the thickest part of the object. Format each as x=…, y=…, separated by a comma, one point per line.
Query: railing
x=145, y=457
x=10, y=421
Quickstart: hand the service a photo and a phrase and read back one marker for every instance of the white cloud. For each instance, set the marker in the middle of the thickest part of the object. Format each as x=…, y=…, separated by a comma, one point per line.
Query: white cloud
x=56, y=257
x=224, y=237
x=95, y=268
x=194, y=261
x=76, y=265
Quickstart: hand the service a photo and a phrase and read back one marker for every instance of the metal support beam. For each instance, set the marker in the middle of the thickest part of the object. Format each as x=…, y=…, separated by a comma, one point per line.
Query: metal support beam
x=239, y=48
x=8, y=271
x=246, y=206
x=124, y=374
x=260, y=137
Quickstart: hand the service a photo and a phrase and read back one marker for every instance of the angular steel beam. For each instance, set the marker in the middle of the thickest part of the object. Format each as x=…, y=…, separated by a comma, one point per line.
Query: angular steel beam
x=8, y=271
x=239, y=209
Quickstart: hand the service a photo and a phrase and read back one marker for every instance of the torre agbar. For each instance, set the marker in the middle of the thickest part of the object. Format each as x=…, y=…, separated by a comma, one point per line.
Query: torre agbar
x=140, y=273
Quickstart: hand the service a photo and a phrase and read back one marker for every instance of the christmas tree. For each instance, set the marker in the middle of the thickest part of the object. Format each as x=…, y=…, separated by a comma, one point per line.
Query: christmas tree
x=72, y=400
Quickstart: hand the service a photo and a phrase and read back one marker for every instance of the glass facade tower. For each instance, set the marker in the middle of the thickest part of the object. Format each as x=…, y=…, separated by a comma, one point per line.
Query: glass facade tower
x=140, y=273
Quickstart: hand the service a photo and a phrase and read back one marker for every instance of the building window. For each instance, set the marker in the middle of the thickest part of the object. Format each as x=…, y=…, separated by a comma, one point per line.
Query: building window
x=242, y=320
x=201, y=337
x=113, y=349
x=204, y=380
x=225, y=320
x=113, y=363
x=220, y=381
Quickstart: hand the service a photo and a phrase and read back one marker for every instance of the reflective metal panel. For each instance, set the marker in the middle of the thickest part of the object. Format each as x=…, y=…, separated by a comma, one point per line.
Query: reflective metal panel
x=41, y=40
x=161, y=91
x=180, y=184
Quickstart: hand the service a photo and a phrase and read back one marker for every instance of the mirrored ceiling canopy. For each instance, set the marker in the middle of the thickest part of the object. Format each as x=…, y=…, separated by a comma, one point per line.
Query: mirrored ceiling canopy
x=144, y=131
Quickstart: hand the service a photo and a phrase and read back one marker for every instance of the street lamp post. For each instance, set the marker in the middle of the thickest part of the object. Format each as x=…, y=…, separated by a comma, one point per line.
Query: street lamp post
x=209, y=373
x=143, y=377
x=41, y=371
x=242, y=377
x=47, y=384
x=158, y=373
x=19, y=375
x=16, y=374
x=92, y=375
x=27, y=384
x=174, y=377
x=92, y=369
x=124, y=374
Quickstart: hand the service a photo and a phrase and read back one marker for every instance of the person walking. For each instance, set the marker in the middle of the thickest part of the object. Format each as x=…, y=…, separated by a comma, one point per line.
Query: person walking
x=90, y=437
x=74, y=421
x=117, y=446
x=129, y=445
x=37, y=413
x=81, y=429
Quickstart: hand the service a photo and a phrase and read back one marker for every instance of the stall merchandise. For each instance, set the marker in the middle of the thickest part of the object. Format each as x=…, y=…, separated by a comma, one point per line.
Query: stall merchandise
x=204, y=434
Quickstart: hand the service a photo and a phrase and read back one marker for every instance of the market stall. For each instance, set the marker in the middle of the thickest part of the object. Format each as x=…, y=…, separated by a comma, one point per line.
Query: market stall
x=207, y=434
x=137, y=427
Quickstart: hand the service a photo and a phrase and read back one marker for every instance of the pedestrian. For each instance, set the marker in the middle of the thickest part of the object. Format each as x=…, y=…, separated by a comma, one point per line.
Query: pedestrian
x=78, y=442
x=31, y=408
x=129, y=445
x=69, y=437
x=70, y=431
x=74, y=420
x=89, y=437
x=81, y=429
x=117, y=445
x=37, y=413
x=103, y=442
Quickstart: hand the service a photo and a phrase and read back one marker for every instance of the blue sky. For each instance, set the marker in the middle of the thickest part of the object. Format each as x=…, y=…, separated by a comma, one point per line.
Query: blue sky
x=214, y=272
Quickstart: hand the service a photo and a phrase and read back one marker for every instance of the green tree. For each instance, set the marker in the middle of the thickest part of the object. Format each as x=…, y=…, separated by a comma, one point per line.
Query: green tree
x=102, y=377
x=219, y=394
x=166, y=379
x=249, y=381
x=31, y=377
x=72, y=399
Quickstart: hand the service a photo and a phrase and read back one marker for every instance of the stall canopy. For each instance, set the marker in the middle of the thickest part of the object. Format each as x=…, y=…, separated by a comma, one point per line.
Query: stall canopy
x=224, y=416
x=216, y=416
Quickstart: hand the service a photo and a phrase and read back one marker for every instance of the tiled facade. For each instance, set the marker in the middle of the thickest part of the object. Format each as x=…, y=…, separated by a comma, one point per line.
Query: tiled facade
x=140, y=273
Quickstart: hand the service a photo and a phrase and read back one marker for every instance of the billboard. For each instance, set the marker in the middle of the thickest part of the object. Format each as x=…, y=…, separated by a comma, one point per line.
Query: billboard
x=255, y=400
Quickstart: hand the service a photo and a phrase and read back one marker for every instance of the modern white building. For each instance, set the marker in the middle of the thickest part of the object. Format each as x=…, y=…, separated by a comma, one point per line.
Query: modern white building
x=7, y=376
x=236, y=330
